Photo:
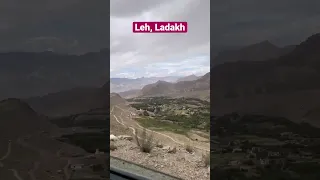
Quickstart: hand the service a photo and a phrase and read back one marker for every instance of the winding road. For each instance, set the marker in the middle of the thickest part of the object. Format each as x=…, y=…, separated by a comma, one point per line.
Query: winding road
x=138, y=126
x=31, y=173
x=16, y=174
x=66, y=169
x=44, y=154
x=6, y=155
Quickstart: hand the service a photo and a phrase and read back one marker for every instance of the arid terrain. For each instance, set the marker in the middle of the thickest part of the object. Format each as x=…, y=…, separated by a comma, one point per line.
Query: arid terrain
x=32, y=136
x=54, y=80
x=176, y=151
x=264, y=118
x=287, y=85
x=37, y=73
x=29, y=142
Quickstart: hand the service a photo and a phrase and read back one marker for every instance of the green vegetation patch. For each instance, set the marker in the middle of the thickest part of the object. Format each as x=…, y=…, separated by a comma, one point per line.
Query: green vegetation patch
x=152, y=123
x=178, y=115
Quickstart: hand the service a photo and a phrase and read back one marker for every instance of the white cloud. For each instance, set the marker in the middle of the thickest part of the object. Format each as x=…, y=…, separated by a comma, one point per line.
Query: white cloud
x=159, y=54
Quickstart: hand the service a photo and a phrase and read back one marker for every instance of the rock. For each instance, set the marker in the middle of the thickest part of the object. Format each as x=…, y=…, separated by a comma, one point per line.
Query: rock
x=173, y=150
x=125, y=137
x=159, y=145
x=113, y=137
x=166, y=148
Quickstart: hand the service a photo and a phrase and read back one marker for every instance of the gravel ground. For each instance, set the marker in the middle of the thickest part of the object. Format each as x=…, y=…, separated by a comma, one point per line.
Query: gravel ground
x=180, y=164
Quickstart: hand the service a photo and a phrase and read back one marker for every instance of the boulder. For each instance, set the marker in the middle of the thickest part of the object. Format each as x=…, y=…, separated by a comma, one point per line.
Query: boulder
x=125, y=137
x=113, y=137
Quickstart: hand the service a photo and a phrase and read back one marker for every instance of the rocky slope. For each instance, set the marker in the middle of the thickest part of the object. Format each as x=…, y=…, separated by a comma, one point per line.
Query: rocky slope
x=167, y=88
x=27, y=74
x=285, y=86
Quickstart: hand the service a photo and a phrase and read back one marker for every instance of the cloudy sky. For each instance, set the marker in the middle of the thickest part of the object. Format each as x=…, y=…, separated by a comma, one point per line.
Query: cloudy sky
x=68, y=26
x=137, y=55
x=283, y=22
x=234, y=23
x=79, y=26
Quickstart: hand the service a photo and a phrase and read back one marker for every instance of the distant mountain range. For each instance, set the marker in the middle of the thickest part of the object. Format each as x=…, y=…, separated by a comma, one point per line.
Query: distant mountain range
x=188, y=86
x=177, y=88
x=188, y=78
x=71, y=101
x=297, y=70
x=281, y=84
x=126, y=84
x=130, y=93
x=256, y=52
x=26, y=74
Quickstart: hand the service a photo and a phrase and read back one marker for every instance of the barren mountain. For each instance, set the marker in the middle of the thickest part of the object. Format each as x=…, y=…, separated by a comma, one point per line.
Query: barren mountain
x=17, y=118
x=116, y=99
x=256, y=52
x=27, y=144
x=258, y=86
x=130, y=93
x=188, y=78
x=167, y=88
x=126, y=84
x=73, y=101
x=160, y=87
x=46, y=72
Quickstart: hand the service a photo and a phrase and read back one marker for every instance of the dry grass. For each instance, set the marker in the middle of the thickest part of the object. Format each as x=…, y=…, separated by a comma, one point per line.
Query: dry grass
x=206, y=159
x=145, y=141
x=189, y=148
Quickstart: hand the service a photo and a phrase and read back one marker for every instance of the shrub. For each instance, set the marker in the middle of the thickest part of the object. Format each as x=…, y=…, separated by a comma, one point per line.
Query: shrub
x=145, y=142
x=189, y=149
x=145, y=113
x=113, y=147
x=206, y=159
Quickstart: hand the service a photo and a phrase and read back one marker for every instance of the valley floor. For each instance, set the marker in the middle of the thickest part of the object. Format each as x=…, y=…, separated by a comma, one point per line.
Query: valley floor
x=177, y=162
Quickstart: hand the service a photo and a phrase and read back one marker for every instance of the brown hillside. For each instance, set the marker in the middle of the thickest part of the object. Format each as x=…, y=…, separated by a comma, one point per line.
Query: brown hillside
x=130, y=93
x=188, y=78
x=71, y=101
x=272, y=86
x=116, y=99
x=17, y=118
x=256, y=52
x=166, y=88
